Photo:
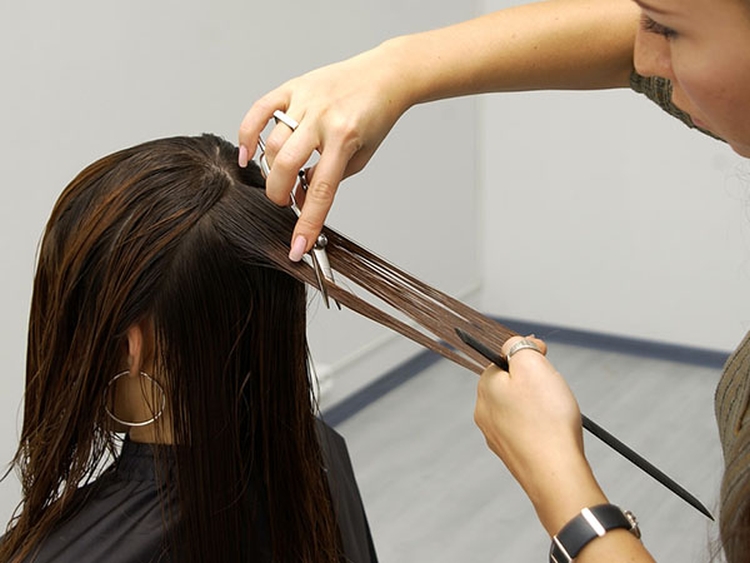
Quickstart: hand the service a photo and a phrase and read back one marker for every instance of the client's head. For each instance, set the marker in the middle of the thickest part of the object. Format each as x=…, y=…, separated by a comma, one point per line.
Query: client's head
x=163, y=259
x=162, y=262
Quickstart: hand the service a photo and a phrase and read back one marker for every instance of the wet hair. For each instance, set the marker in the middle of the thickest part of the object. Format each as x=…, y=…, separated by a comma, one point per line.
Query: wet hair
x=172, y=232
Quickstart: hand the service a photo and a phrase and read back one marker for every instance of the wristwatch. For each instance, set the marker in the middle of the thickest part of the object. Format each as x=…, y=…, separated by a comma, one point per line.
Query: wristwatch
x=591, y=523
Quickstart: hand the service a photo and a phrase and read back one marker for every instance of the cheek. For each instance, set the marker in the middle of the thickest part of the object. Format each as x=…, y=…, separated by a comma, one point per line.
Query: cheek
x=716, y=95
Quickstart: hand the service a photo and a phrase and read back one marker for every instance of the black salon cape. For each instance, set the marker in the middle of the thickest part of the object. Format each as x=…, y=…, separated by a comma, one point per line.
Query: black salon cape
x=121, y=522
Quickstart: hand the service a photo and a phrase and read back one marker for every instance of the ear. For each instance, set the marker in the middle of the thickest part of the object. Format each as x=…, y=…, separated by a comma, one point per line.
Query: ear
x=135, y=338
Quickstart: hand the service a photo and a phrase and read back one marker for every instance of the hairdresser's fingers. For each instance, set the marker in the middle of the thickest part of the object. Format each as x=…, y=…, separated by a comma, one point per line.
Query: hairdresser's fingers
x=284, y=158
x=532, y=394
x=319, y=198
x=256, y=119
x=287, y=152
x=541, y=344
x=300, y=192
x=529, y=417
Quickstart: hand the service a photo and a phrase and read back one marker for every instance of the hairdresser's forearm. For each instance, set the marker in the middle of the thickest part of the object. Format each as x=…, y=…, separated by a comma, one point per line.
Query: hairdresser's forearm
x=558, y=44
x=560, y=491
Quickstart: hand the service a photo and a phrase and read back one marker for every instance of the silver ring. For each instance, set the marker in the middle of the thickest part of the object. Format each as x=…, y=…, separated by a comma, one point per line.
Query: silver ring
x=521, y=345
x=285, y=119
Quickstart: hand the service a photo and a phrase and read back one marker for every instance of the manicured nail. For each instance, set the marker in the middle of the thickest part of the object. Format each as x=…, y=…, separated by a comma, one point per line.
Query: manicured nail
x=298, y=249
x=242, y=161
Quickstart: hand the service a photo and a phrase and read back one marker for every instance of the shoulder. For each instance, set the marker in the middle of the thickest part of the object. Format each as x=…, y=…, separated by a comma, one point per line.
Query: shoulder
x=117, y=517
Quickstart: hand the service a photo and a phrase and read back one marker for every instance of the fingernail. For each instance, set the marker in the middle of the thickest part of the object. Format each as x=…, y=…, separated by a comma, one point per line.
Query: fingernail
x=298, y=249
x=242, y=161
x=531, y=336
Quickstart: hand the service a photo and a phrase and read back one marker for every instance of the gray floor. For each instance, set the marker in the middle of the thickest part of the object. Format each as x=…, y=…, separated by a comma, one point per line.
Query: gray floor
x=434, y=493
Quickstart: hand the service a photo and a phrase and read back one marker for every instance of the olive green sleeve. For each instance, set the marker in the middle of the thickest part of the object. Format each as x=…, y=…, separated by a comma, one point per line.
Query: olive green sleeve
x=659, y=90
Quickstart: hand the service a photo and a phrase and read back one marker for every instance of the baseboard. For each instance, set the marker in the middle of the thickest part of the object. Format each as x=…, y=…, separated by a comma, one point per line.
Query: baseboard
x=346, y=407
x=622, y=344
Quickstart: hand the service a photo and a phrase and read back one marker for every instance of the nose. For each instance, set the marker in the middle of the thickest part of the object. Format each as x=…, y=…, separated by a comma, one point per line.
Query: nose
x=651, y=55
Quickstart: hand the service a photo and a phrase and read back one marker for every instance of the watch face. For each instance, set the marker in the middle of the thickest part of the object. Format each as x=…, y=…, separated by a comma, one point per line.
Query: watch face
x=634, y=529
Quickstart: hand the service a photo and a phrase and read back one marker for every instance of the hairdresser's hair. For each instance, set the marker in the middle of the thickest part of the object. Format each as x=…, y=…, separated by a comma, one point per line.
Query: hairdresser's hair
x=172, y=232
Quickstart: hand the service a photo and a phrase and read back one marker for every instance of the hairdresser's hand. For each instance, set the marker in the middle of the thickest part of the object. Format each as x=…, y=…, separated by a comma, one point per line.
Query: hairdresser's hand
x=531, y=420
x=344, y=111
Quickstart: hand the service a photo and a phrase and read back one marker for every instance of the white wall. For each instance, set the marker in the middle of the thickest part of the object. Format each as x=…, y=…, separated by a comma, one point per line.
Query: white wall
x=597, y=211
x=601, y=212
x=86, y=77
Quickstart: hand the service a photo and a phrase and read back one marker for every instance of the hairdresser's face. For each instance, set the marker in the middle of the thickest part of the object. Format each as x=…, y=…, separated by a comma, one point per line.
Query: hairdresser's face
x=703, y=47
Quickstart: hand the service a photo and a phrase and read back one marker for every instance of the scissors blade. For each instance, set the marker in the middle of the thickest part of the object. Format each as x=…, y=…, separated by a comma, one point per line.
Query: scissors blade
x=596, y=430
x=314, y=255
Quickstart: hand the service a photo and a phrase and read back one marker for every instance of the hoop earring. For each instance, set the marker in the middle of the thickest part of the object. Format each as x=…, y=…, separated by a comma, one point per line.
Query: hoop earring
x=126, y=422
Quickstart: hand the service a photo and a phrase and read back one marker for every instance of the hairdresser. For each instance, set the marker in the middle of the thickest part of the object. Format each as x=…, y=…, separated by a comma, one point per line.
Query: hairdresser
x=690, y=56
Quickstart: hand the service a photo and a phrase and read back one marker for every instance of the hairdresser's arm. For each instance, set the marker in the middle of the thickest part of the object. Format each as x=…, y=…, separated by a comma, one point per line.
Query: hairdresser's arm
x=531, y=420
x=345, y=110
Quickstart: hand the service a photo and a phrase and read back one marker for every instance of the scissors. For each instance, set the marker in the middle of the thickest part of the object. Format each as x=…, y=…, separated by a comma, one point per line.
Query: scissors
x=318, y=254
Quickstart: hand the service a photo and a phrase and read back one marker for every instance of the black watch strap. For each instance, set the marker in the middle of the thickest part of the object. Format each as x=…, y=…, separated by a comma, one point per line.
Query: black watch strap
x=591, y=523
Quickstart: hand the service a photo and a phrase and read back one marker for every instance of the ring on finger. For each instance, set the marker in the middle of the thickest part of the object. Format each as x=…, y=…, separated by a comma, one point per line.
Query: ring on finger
x=523, y=344
x=285, y=119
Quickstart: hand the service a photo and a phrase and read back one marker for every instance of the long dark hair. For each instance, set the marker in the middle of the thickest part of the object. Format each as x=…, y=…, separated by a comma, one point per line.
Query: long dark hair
x=173, y=232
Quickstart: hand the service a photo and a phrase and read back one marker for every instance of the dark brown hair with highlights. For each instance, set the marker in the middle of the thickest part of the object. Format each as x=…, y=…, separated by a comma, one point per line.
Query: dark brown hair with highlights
x=174, y=232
